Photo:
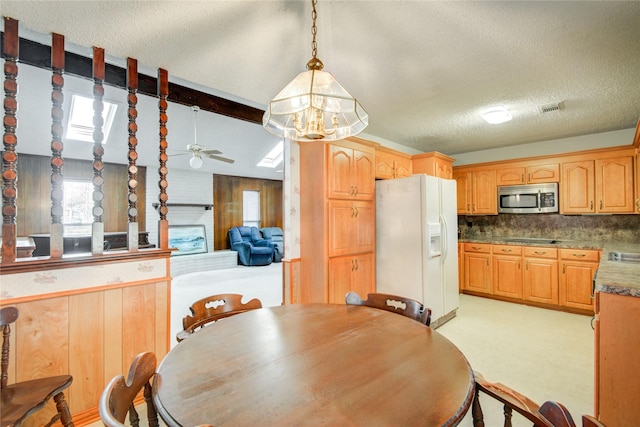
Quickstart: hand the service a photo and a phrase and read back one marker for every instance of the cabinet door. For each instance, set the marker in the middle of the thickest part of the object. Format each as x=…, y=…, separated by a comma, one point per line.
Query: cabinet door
x=340, y=170
x=463, y=196
x=385, y=168
x=485, y=197
x=364, y=227
x=364, y=175
x=507, y=276
x=363, y=280
x=403, y=167
x=341, y=227
x=510, y=176
x=543, y=173
x=541, y=280
x=576, y=284
x=578, y=187
x=477, y=272
x=614, y=185
x=340, y=271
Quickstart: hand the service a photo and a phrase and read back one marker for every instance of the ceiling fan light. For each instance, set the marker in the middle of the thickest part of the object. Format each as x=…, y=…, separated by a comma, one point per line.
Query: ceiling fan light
x=496, y=115
x=195, y=162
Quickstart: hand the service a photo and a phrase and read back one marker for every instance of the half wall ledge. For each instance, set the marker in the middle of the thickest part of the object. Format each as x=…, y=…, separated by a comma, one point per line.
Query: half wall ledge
x=203, y=262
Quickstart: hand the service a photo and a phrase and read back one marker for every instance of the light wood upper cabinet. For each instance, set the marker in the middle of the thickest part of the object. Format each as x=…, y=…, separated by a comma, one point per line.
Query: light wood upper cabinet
x=434, y=164
x=614, y=185
x=391, y=165
x=476, y=192
x=598, y=186
x=484, y=193
x=578, y=187
x=351, y=173
x=537, y=174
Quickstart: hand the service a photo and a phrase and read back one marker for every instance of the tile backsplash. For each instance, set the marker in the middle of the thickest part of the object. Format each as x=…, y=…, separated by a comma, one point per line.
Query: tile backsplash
x=600, y=228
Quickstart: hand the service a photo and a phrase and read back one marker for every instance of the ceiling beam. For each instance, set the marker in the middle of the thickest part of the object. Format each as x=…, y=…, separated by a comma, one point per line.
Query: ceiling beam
x=39, y=55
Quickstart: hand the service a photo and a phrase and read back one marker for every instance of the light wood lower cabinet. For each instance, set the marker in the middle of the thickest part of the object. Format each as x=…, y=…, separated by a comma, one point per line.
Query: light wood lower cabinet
x=541, y=275
x=544, y=276
x=577, y=268
x=617, y=346
x=350, y=273
x=477, y=267
x=507, y=271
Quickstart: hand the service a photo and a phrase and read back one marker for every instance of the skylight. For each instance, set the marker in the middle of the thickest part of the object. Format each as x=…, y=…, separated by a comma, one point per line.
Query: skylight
x=80, y=124
x=274, y=158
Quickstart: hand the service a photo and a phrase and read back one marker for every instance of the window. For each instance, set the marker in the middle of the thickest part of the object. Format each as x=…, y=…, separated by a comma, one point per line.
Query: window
x=80, y=125
x=77, y=205
x=251, y=208
x=274, y=157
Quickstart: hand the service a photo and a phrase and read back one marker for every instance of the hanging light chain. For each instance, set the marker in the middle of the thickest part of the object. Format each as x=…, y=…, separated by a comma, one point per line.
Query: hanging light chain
x=314, y=29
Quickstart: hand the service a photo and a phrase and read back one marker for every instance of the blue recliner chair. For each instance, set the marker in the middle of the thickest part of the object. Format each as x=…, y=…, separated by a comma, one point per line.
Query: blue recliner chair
x=275, y=236
x=251, y=247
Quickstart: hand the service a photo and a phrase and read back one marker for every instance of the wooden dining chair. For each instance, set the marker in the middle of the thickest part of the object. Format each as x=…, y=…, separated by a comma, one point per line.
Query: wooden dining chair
x=396, y=304
x=21, y=399
x=117, y=399
x=550, y=414
x=213, y=308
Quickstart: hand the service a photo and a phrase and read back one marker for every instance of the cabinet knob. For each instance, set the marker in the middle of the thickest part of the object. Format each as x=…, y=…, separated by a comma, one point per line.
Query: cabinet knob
x=539, y=252
x=600, y=204
x=578, y=255
x=507, y=250
x=591, y=205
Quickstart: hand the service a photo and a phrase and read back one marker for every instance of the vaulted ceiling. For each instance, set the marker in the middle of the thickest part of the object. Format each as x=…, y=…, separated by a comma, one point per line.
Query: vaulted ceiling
x=423, y=70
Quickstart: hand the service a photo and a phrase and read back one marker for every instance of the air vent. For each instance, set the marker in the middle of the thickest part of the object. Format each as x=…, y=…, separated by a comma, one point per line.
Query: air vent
x=549, y=108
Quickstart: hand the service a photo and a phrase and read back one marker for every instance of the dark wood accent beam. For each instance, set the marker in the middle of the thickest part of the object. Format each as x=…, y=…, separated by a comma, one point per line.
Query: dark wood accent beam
x=39, y=55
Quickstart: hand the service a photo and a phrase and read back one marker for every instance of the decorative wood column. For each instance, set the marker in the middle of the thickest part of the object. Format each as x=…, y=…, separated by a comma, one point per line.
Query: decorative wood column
x=163, y=224
x=97, y=228
x=9, y=140
x=132, y=183
x=57, y=180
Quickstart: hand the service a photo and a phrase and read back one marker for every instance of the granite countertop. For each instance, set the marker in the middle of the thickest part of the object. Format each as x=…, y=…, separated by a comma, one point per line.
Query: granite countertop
x=616, y=277
x=613, y=277
x=563, y=244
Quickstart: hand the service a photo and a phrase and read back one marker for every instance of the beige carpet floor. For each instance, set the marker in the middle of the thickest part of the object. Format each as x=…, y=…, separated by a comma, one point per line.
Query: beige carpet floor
x=544, y=354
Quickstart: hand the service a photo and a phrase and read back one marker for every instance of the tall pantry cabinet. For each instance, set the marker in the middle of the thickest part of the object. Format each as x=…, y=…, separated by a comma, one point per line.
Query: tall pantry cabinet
x=337, y=220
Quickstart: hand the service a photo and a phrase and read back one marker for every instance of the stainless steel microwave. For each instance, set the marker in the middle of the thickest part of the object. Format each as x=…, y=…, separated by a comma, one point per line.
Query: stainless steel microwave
x=525, y=199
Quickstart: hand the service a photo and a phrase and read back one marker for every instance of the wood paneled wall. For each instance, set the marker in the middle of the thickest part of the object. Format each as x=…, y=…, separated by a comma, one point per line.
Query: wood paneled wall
x=34, y=193
x=227, y=204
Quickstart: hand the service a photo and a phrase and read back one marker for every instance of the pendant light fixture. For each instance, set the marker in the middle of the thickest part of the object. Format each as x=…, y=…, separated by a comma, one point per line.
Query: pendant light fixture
x=314, y=106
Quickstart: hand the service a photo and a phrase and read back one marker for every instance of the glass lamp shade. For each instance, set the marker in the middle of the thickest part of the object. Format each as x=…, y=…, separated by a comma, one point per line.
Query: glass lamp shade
x=195, y=162
x=314, y=106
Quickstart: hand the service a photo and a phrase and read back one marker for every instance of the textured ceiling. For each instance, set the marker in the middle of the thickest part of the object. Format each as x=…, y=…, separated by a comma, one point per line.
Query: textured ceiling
x=423, y=70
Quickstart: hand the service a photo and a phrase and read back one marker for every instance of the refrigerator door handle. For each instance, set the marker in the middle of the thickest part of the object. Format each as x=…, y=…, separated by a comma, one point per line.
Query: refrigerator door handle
x=445, y=229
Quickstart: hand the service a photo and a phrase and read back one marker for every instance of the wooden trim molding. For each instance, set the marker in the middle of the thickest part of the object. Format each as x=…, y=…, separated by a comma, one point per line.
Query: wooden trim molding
x=636, y=138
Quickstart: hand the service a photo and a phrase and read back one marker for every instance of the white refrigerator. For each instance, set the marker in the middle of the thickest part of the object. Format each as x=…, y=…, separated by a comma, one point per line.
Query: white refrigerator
x=417, y=242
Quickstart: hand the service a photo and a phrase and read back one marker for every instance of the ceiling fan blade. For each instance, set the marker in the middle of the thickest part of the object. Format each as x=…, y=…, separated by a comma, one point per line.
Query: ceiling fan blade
x=178, y=154
x=207, y=152
x=222, y=159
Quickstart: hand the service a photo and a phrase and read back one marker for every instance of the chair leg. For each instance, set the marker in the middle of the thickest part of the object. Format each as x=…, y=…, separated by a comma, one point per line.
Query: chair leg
x=476, y=410
x=63, y=410
x=152, y=415
x=507, y=416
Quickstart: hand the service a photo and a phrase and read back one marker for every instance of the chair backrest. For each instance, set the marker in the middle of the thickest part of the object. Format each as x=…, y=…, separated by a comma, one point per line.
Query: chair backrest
x=213, y=308
x=245, y=233
x=396, y=304
x=8, y=315
x=550, y=414
x=117, y=398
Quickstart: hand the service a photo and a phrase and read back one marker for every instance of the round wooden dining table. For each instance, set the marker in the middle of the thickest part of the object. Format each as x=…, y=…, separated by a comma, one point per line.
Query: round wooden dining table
x=314, y=364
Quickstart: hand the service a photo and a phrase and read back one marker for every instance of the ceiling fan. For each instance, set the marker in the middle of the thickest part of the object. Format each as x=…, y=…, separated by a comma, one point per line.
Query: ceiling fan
x=198, y=151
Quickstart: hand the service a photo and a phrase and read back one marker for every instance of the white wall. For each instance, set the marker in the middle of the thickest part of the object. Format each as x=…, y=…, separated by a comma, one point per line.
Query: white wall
x=545, y=148
x=185, y=186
